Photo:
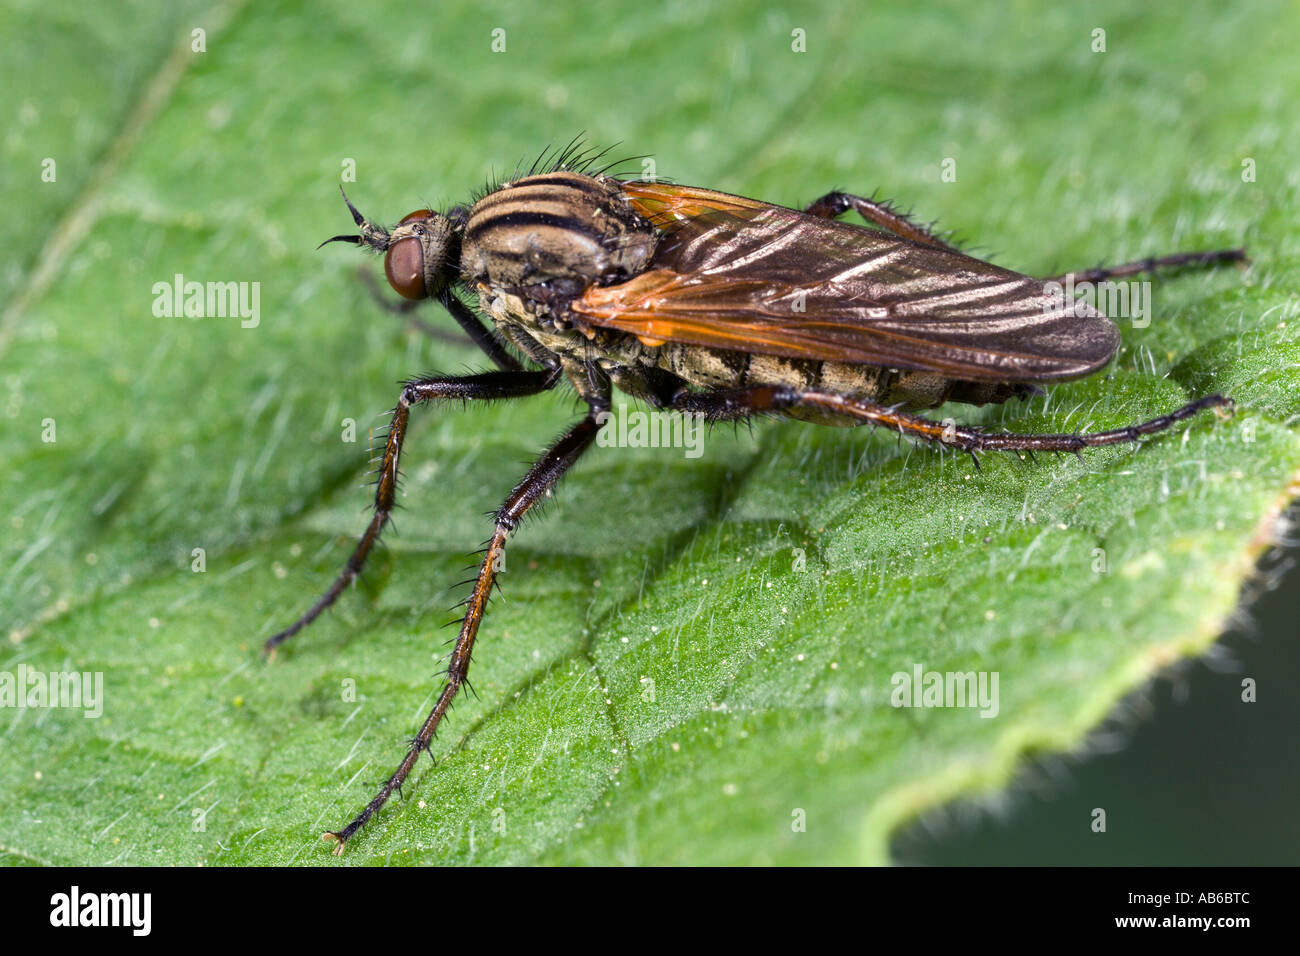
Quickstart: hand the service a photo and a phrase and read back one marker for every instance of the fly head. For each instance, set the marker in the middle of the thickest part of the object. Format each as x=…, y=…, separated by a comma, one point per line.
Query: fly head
x=421, y=253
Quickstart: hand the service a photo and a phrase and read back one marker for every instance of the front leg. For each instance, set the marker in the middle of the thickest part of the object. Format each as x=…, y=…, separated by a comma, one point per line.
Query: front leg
x=489, y=385
x=479, y=334
x=539, y=480
x=406, y=308
x=482, y=336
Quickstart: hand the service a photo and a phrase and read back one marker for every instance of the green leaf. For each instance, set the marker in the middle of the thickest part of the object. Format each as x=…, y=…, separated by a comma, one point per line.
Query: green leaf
x=693, y=655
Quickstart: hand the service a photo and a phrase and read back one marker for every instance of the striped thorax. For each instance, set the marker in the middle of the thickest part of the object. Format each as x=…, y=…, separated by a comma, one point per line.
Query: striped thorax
x=561, y=227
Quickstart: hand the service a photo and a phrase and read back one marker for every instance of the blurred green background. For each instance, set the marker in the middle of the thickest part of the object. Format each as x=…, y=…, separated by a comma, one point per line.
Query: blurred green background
x=661, y=684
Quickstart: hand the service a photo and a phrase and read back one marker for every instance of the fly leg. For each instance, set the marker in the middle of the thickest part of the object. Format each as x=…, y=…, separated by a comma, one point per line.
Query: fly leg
x=464, y=316
x=1178, y=260
x=534, y=485
x=406, y=308
x=489, y=385
x=731, y=404
x=480, y=334
x=882, y=214
x=835, y=204
x=383, y=298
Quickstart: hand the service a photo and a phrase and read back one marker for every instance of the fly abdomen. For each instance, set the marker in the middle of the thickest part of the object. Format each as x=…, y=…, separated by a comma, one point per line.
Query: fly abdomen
x=560, y=225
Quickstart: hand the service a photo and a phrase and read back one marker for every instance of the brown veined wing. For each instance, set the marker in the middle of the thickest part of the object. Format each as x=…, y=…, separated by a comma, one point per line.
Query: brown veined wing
x=737, y=274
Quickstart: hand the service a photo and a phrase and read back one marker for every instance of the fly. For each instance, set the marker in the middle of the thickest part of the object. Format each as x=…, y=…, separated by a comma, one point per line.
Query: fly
x=715, y=305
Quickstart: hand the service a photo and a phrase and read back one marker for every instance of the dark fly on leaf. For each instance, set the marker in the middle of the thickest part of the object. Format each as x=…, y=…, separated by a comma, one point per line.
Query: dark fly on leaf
x=716, y=305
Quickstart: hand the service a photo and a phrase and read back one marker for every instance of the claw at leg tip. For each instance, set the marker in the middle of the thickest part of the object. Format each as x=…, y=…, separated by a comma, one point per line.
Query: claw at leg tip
x=330, y=836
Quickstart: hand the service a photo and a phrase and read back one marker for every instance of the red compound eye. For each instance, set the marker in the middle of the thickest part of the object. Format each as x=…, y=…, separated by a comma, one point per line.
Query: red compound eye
x=404, y=266
x=404, y=263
